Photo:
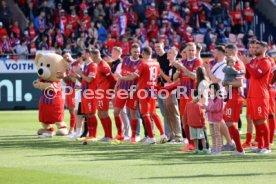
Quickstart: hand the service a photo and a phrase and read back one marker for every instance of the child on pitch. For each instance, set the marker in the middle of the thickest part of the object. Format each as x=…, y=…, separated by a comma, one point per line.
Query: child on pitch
x=194, y=116
x=214, y=111
x=231, y=73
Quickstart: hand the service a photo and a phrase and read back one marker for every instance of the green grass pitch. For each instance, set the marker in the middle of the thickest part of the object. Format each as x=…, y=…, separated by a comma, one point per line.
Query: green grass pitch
x=24, y=158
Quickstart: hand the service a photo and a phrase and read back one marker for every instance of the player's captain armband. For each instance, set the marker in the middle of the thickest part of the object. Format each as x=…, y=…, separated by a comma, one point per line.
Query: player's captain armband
x=260, y=71
x=91, y=74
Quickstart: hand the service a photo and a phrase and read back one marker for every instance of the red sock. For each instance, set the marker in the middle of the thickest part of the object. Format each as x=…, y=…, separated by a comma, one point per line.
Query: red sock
x=187, y=133
x=119, y=125
x=108, y=124
x=248, y=138
x=148, y=125
x=236, y=137
x=104, y=126
x=259, y=137
x=92, y=124
x=73, y=121
x=271, y=129
x=158, y=123
x=265, y=135
x=133, y=125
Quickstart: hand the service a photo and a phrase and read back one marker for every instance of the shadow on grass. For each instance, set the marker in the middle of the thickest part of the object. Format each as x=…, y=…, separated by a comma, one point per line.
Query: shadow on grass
x=166, y=154
x=210, y=176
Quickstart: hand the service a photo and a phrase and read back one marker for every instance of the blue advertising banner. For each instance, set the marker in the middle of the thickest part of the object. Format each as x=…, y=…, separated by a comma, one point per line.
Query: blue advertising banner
x=17, y=91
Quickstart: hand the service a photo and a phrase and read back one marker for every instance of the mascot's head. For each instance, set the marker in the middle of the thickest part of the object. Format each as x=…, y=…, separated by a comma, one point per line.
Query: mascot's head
x=48, y=65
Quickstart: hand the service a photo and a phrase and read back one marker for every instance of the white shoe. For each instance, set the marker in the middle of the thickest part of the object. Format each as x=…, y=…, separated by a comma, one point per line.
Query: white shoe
x=144, y=139
x=238, y=153
x=46, y=135
x=126, y=138
x=265, y=151
x=185, y=141
x=70, y=136
x=150, y=141
x=137, y=138
x=240, y=131
x=105, y=139
x=163, y=139
x=75, y=136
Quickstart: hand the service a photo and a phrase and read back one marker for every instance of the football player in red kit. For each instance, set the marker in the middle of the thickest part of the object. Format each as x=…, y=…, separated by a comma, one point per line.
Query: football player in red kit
x=88, y=99
x=187, y=77
x=105, y=82
x=147, y=74
x=70, y=91
x=271, y=116
x=125, y=95
x=248, y=140
x=258, y=95
x=233, y=106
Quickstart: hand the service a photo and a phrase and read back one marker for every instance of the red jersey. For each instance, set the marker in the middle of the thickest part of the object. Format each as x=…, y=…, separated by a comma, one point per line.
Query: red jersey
x=260, y=71
x=73, y=19
x=185, y=80
x=16, y=30
x=148, y=73
x=236, y=17
x=128, y=67
x=32, y=32
x=89, y=70
x=273, y=67
x=103, y=71
x=194, y=116
x=75, y=64
x=3, y=32
x=248, y=14
x=152, y=14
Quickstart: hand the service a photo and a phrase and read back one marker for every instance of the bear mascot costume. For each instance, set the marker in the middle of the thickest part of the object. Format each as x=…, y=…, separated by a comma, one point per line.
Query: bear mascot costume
x=51, y=103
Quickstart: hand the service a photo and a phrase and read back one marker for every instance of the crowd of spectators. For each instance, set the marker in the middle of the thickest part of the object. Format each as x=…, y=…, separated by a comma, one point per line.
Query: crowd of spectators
x=73, y=25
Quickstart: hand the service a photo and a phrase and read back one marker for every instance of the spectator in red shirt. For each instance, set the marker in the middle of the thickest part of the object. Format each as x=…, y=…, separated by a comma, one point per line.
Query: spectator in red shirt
x=189, y=35
x=236, y=19
x=153, y=30
x=143, y=29
x=5, y=45
x=73, y=19
x=32, y=32
x=132, y=19
x=152, y=13
x=3, y=31
x=15, y=28
x=125, y=47
x=62, y=21
x=85, y=19
x=110, y=43
x=248, y=14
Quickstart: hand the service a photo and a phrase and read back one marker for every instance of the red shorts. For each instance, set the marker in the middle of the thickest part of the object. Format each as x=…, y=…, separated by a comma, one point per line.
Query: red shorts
x=70, y=100
x=88, y=106
x=183, y=102
x=147, y=106
x=232, y=110
x=122, y=99
x=258, y=108
x=103, y=103
x=272, y=101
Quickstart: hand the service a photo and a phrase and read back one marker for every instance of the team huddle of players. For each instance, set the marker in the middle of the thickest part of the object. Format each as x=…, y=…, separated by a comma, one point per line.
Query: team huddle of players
x=133, y=83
